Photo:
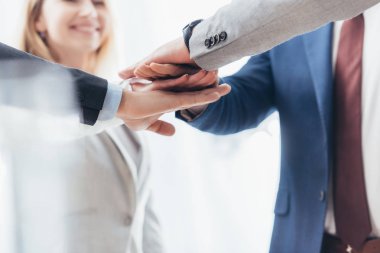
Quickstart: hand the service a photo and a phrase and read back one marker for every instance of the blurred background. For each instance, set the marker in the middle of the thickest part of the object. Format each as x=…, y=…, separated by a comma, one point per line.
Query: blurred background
x=213, y=193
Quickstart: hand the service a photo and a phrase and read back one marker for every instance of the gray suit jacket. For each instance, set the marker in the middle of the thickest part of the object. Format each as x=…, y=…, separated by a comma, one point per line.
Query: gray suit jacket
x=255, y=26
x=109, y=202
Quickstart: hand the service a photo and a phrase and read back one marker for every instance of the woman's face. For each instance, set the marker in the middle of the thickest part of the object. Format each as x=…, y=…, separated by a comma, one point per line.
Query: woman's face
x=77, y=25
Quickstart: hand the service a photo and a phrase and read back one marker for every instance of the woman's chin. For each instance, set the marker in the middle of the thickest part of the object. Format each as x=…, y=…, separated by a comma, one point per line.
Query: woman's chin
x=84, y=40
x=85, y=46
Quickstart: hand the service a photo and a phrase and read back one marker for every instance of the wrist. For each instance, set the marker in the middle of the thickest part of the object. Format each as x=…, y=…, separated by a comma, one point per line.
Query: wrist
x=121, y=111
x=174, y=52
x=181, y=54
x=183, y=48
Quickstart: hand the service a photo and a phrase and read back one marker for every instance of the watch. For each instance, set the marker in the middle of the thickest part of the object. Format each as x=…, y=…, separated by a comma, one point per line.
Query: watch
x=188, y=31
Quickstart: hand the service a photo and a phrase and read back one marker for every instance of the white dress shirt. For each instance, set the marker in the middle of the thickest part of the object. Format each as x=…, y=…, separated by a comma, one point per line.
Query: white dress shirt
x=370, y=117
x=111, y=102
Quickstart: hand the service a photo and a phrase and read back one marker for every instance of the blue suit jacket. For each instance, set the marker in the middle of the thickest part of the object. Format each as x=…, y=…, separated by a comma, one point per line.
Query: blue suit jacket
x=295, y=79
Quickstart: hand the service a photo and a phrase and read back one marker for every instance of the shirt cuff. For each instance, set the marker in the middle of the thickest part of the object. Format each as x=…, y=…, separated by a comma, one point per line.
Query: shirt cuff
x=192, y=113
x=111, y=102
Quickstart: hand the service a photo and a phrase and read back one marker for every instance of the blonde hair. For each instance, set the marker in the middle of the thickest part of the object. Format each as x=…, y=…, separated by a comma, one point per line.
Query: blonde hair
x=33, y=42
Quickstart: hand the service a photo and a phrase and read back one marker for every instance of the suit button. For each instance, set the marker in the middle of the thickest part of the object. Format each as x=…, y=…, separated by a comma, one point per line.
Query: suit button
x=217, y=38
x=207, y=43
x=212, y=41
x=128, y=220
x=223, y=36
x=322, y=195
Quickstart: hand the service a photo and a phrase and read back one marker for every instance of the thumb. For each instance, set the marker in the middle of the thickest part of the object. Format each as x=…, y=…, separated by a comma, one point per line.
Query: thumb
x=162, y=128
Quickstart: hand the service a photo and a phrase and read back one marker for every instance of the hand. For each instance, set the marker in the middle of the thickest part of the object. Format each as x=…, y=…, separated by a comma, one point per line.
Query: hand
x=198, y=81
x=142, y=110
x=174, y=52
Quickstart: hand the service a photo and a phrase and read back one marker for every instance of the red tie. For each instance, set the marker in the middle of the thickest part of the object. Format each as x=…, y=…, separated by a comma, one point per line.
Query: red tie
x=350, y=199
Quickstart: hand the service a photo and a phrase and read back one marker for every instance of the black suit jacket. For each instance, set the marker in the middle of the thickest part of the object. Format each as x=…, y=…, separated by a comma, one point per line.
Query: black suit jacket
x=90, y=90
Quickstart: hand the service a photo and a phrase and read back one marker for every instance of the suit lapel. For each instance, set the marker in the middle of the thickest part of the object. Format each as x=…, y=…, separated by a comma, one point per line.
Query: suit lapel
x=318, y=47
x=124, y=152
x=131, y=187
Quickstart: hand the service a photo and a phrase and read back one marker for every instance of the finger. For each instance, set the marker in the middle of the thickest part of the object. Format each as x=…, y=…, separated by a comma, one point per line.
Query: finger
x=141, y=124
x=185, y=100
x=172, y=69
x=182, y=83
x=207, y=82
x=211, y=78
x=166, y=69
x=162, y=128
x=201, y=80
x=143, y=105
x=194, y=79
x=223, y=89
x=128, y=72
x=203, y=97
x=169, y=83
x=144, y=71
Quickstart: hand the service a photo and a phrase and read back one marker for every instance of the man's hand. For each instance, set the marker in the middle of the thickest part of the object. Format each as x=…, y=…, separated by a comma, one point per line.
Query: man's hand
x=174, y=53
x=198, y=81
x=142, y=110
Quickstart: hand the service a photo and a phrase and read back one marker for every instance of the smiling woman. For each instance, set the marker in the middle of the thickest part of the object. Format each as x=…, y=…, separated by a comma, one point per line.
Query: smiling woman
x=75, y=33
x=107, y=202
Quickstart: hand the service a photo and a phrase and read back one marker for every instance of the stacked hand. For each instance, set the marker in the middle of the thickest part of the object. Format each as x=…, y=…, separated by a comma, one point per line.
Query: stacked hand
x=174, y=52
x=173, y=87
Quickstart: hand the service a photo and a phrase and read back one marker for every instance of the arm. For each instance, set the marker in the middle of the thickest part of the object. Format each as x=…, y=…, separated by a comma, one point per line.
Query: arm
x=246, y=106
x=139, y=111
x=152, y=235
x=255, y=26
x=90, y=90
x=251, y=27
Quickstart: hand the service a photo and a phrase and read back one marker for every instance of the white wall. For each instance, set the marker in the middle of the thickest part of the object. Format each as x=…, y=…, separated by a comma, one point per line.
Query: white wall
x=214, y=194
x=10, y=21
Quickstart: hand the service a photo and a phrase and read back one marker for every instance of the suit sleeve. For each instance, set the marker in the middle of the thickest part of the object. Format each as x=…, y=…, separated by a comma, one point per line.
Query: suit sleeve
x=250, y=101
x=90, y=90
x=255, y=26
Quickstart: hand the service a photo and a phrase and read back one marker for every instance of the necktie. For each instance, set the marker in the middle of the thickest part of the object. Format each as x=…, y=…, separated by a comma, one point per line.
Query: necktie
x=350, y=199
